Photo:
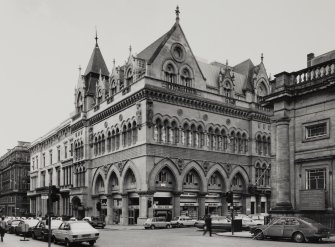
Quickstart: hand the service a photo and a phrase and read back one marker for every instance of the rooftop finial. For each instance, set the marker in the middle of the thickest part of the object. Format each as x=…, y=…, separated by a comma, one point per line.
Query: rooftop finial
x=227, y=63
x=177, y=13
x=130, y=49
x=96, y=37
x=79, y=68
x=262, y=57
x=114, y=62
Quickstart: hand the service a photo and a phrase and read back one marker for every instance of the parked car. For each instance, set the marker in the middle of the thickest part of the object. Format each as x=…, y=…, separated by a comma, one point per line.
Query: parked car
x=219, y=223
x=70, y=232
x=182, y=221
x=157, y=222
x=95, y=221
x=31, y=223
x=299, y=229
x=13, y=225
x=41, y=230
x=258, y=219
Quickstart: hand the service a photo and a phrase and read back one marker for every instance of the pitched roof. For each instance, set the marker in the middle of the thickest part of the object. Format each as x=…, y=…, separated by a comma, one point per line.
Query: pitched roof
x=96, y=63
x=246, y=68
x=153, y=49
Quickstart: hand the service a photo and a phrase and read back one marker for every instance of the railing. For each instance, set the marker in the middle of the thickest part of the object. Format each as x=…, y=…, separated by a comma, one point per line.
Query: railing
x=178, y=87
x=319, y=71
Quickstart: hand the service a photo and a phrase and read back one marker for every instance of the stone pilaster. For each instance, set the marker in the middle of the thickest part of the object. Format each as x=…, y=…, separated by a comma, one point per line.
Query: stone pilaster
x=124, y=216
x=202, y=208
x=176, y=204
x=109, y=210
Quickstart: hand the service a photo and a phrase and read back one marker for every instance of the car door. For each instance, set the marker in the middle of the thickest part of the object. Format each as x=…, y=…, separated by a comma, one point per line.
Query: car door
x=59, y=232
x=275, y=228
x=38, y=229
x=290, y=227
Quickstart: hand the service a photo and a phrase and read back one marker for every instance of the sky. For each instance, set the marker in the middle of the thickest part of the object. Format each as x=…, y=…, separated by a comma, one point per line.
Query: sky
x=43, y=43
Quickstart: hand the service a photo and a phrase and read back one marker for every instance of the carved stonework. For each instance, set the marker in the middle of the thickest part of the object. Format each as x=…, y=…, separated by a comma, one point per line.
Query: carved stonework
x=139, y=115
x=180, y=164
x=90, y=141
x=150, y=112
x=120, y=166
x=206, y=167
x=105, y=169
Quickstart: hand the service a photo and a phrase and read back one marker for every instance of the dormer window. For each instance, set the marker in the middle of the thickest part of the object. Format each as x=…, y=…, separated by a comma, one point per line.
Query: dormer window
x=113, y=87
x=227, y=89
x=129, y=77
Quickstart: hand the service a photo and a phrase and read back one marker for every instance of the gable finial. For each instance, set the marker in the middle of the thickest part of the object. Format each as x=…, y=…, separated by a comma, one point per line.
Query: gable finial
x=177, y=13
x=262, y=57
x=79, y=68
x=129, y=49
x=96, y=37
x=113, y=62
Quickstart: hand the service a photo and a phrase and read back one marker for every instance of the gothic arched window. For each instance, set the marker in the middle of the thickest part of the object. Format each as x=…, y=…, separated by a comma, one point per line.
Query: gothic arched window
x=227, y=89
x=170, y=73
x=186, y=79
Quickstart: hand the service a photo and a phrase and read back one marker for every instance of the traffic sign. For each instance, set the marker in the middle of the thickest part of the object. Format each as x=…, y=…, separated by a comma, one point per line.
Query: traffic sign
x=44, y=197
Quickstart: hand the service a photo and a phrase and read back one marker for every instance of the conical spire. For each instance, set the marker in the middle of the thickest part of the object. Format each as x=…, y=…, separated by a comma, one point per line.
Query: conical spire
x=177, y=13
x=96, y=62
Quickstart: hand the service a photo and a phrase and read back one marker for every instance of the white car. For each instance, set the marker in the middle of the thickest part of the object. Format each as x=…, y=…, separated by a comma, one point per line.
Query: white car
x=156, y=222
x=182, y=221
x=71, y=232
x=259, y=219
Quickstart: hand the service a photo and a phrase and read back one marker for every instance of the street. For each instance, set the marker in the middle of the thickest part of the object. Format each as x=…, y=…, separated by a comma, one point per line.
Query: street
x=184, y=237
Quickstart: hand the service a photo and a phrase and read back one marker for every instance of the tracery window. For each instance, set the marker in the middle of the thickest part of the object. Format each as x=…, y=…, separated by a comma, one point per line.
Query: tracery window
x=129, y=77
x=186, y=79
x=227, y=89
x=170, y=73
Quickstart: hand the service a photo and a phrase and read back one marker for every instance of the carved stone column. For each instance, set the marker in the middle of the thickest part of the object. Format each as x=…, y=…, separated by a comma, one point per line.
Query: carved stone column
x=202, y=207
x=176, y=203
x=110, y=210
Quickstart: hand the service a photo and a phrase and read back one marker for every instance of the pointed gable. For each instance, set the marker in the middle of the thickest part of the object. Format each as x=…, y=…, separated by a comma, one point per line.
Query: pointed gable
x=96, y=63
x=246, y=68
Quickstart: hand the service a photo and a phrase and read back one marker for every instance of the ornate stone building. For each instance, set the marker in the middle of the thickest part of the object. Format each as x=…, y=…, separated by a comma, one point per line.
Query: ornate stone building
x=163, y=134
x=303, y=134
x=14, y=181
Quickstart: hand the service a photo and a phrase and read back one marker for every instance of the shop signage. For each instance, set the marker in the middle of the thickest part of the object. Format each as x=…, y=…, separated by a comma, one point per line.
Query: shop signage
x=188, y=194
x=162, y=206
x=312, y=200
x=214, y=204
x=194, y=204
x=213, y=195
x=44, y=197
x=133, y=207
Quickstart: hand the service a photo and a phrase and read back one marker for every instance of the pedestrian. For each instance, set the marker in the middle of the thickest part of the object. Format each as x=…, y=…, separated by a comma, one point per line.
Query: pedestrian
x=3, y=226
x=208, y=225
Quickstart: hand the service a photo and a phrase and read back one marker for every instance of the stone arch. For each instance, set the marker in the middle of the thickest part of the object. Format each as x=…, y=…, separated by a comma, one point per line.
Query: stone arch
x=129, y=165
x=112, y=171
x=166, y=162
x=262, y=82
x=196, y=167
x=218, y=168
x=97, y=174
x=241, y=171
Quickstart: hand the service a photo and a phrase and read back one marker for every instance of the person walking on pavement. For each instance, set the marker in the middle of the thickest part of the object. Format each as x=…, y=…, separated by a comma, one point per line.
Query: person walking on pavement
x=3, y=226
x=208, y=225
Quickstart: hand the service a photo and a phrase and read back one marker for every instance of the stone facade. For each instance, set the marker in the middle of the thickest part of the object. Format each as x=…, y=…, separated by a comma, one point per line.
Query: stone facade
x=14, y=181
x=163, y=134
x=303, y=134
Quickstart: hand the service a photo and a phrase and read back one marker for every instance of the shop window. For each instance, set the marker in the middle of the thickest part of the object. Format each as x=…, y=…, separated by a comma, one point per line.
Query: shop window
x=316, y=179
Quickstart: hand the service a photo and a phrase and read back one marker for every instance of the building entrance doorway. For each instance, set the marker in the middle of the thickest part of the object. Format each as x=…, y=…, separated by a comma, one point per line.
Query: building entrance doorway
x=133, y=214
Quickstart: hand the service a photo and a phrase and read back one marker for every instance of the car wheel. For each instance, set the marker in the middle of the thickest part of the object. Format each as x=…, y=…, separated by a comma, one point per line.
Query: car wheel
x=67, y=243
x=299, y=237
x=259, y=235
x=181, y=225
x=152, y=227
x=91, y=243
x=168, y=226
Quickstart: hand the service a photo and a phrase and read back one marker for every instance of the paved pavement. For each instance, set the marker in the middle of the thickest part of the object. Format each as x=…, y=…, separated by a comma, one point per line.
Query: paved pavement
x=181, y=237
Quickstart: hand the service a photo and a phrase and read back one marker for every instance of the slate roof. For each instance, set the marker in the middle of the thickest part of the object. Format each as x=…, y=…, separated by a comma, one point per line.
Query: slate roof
x=246, y=68
x=153, y=49
x=96, y=63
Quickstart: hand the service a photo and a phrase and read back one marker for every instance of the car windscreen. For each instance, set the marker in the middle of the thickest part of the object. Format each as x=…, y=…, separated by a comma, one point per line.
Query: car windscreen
x=81, y=226
x=56, y=223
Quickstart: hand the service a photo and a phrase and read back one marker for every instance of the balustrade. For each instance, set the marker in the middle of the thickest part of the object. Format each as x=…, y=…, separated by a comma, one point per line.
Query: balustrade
x=316, y=72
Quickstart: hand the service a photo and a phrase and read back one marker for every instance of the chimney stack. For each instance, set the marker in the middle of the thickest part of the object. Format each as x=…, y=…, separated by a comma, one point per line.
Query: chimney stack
x=310, y=56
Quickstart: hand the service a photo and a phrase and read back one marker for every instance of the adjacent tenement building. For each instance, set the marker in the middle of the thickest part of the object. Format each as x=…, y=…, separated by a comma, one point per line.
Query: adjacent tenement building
x=14, y=181
x=163, y=134
x=303, y=134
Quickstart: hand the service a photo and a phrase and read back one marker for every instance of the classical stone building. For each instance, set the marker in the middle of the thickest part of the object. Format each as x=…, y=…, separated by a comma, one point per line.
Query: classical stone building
x=163, y=134
x=14, y=181
x=304, y=140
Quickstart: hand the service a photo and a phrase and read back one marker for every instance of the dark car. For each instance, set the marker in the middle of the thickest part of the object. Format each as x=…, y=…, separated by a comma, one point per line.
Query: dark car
x=41, y=230
x=19, y=230
x=299, y=229
x=219, y=224
x=96, y=221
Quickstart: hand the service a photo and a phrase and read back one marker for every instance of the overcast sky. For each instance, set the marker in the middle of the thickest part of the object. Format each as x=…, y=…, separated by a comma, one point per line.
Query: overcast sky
x=43, y=42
